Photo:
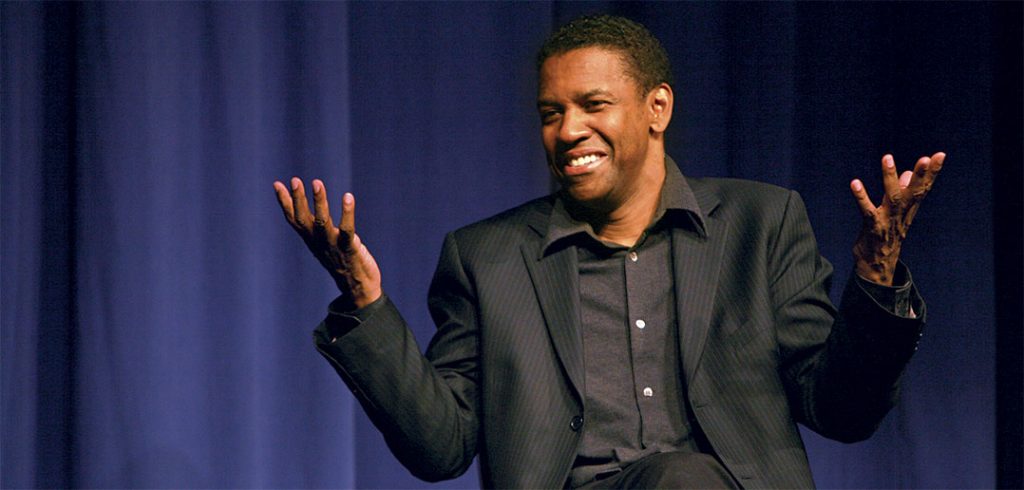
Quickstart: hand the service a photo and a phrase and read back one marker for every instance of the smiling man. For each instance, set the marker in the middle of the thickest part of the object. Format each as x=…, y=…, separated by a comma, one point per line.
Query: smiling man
x=636, y=329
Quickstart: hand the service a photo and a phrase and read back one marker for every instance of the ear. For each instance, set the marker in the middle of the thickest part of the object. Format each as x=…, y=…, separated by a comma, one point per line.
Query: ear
x=659, y=103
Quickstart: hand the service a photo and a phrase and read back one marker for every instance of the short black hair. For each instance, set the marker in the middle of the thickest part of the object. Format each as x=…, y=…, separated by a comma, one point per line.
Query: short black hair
x=643, y=53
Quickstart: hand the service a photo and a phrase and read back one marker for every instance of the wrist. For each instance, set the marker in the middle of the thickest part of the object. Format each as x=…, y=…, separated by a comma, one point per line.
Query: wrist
x=878, y=273
x=354, y=296
x=363, y=300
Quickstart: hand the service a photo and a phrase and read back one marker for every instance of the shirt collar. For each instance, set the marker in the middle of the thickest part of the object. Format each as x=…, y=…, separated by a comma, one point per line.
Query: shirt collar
x=677, y=206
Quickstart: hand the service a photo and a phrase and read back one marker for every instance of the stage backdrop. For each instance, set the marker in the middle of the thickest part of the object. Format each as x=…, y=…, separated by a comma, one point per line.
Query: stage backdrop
x=157, y=310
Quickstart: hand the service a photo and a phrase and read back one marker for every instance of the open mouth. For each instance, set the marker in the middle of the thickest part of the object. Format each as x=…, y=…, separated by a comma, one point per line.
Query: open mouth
x=584, y=163
x=583, y=160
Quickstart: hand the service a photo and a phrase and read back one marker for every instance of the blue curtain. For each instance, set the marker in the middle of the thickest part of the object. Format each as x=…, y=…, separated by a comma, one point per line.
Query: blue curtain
x=157, y=310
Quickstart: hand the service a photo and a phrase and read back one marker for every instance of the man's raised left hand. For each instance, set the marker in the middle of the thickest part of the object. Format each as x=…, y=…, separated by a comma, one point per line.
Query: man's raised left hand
x=877, y=249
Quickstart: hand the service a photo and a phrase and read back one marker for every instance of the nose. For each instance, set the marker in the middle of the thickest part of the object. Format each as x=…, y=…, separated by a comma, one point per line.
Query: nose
x=574, y=127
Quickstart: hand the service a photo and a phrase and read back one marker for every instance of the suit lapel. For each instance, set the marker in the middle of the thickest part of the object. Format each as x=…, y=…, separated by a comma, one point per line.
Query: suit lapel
x=696, y=262
x=555, y=279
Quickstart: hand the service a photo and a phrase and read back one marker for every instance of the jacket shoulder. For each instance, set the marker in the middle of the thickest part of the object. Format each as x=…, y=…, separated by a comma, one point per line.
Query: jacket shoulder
x=740, y=192
x=744, y=201
x=530, y=211
x=506, y=230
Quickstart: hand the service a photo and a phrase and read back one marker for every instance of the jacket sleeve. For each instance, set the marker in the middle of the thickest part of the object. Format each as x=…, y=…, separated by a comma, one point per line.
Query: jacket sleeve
x=841, y=381
x=425, y=406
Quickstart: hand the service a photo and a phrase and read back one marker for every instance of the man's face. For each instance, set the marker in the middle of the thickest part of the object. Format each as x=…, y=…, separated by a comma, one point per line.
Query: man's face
x=595, y=126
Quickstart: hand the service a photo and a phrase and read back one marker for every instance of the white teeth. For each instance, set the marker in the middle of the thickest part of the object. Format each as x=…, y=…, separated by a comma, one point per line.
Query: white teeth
x=583, y=160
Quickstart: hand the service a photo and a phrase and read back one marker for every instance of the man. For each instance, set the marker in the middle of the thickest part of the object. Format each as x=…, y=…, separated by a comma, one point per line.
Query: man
x=636, y=329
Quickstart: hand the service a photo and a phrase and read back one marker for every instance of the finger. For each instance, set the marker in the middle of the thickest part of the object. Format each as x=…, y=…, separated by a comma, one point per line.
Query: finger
x=367, y=265
x=366, y=271
x=348, y=213
x=905, y=178
x=921, y=167
x=285, y=201
x=861, y=195
x=937, y=160
x=921, y=181
x=322, y=211
x=928, y=168
x=360, y=251
x=347, y=226
x=890, y=180
x=302, y=217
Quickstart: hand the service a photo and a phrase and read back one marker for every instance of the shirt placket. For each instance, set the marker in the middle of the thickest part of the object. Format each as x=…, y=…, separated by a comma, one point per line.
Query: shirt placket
x=639, y=340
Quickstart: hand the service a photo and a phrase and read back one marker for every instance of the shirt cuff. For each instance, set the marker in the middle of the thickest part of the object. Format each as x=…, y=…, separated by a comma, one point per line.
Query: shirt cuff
x=342, y=320
x=896, y=298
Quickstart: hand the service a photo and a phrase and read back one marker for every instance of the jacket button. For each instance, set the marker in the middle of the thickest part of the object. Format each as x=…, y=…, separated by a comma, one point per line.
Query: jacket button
x=576, y=423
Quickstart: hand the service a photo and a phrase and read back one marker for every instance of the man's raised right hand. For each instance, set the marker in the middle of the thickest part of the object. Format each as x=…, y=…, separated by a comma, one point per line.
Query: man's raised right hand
x=338, y=248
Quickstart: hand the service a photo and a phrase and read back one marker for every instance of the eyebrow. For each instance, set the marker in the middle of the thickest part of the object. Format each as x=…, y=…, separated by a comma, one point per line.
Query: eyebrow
x=579, y=96
x=592, y=93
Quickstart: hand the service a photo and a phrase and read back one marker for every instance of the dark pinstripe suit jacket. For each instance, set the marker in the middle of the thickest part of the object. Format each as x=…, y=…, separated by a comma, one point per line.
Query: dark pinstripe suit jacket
x=761, y=344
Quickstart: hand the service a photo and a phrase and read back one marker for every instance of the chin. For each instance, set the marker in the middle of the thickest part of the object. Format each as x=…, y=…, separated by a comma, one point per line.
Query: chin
x=587, y=198
x=580, y=195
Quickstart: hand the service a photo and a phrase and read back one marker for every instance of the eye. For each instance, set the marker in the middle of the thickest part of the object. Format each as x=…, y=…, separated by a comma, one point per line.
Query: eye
x=595, y=105
x=548, y=116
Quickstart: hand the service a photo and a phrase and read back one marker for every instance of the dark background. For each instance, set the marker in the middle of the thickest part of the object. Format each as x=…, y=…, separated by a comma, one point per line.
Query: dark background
x=157, y=310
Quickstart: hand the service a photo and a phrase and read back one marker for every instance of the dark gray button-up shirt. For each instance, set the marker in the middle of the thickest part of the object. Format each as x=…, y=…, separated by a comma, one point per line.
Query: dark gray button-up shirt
x=635, y=398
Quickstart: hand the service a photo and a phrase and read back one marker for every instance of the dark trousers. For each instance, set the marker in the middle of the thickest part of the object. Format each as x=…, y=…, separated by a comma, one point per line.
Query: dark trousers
x=669, y=470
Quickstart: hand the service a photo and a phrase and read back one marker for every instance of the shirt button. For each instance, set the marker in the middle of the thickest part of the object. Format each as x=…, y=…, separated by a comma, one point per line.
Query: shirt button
x=641, y=324
x=576, y=423
x=633, y=256
x=648, y=391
